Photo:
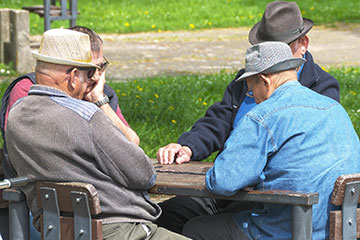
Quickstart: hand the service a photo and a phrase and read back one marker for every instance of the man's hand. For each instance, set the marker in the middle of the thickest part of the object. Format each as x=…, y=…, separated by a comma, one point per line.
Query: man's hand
x=95, y=89
x=174, y=152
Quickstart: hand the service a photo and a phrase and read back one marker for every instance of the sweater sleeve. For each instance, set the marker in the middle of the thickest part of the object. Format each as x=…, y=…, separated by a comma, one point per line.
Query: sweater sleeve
x=210, y=132
x=123, y=161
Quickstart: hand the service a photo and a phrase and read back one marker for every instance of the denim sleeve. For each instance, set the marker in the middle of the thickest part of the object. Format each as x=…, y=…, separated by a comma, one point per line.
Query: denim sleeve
x=244, y=157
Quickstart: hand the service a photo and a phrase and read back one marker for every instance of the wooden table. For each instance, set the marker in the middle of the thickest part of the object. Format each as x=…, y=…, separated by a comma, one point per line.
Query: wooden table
x=189, y=180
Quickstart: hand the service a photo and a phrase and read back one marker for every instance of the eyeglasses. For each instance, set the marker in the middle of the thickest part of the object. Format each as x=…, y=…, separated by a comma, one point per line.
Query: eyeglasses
x=104, y=65
x=90, y=73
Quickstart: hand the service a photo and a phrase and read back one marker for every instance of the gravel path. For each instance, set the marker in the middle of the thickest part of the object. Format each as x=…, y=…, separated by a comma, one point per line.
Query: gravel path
x=209, y=51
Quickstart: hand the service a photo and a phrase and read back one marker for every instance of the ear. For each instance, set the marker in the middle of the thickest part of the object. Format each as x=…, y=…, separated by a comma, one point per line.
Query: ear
x=72, y=80
x=265, y=79
x=304, y=43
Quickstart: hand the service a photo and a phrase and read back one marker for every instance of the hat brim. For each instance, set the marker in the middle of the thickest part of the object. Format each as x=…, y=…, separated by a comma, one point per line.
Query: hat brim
x=280, y=66
x=61, y=61
x=253, y=34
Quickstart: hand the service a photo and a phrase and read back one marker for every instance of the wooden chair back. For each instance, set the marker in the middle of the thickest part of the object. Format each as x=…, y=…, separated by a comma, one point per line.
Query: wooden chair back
x=344, y=223
x=69, y=210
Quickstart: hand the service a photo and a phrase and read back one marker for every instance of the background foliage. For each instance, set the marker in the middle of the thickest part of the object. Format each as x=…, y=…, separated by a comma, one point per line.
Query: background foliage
x=123, y=16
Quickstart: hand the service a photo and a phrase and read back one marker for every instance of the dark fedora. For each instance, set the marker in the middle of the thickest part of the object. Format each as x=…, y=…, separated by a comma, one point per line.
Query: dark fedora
x=282, y=21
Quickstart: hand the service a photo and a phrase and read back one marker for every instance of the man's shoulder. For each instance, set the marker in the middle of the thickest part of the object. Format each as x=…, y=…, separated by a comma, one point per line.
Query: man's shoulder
x=84, y=109
x=291, y=101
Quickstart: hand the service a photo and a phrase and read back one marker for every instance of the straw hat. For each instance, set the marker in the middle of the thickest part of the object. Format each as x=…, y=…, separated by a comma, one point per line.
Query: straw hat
x=65, y=47
x=282, y=21
x=269, y=57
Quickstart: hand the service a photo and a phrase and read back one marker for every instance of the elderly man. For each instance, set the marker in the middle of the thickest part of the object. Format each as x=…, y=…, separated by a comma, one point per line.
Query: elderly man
x=19, y=88
x=282, y=21
x=296, y=140
x=52, y=134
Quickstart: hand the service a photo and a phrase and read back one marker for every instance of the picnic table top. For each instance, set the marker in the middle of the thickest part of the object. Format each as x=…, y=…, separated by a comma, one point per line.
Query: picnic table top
x=188, y=179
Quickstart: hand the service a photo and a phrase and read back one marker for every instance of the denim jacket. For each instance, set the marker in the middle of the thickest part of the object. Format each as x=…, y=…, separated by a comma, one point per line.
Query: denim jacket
x=210, y=132
x=296, y=140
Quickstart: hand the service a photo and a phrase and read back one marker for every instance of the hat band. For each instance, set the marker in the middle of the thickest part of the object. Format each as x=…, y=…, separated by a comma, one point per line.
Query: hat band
x=280, y=35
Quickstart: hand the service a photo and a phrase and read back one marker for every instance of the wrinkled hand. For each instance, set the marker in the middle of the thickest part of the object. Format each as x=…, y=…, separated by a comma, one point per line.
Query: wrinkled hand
x=174, y=152
x=95, y=89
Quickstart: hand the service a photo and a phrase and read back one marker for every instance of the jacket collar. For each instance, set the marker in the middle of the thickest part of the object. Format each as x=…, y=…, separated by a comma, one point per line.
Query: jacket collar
x=38, y=89
x=309, y=76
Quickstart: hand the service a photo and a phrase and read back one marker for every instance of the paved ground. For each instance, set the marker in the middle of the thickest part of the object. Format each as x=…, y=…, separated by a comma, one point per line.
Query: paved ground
x=208, y=51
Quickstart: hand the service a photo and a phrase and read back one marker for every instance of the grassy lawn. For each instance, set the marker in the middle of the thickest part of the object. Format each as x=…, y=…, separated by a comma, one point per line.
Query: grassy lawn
x=108, y=16
x=160, y=109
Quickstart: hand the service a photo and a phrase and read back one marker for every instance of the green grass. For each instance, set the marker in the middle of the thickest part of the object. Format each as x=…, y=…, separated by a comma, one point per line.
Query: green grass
x=109, y=16
x=160, y=109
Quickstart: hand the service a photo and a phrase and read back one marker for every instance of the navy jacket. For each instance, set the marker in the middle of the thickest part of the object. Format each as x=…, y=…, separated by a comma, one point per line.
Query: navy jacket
x=210, y=132
x=8, y=171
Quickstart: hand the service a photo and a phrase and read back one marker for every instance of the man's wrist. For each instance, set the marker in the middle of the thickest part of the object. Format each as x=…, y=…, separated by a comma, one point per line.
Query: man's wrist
x=102, y=101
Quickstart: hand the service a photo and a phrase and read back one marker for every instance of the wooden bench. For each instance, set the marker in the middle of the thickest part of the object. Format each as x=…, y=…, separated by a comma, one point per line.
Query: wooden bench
x=345, y=223
x=69, y=211
x=51, y=12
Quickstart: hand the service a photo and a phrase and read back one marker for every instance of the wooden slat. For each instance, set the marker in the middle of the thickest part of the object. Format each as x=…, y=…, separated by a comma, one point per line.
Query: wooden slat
x=195, y=168
x=63, y=193
x=337, y=196
x=189, y=180
x=336, y=225
x=39, y=7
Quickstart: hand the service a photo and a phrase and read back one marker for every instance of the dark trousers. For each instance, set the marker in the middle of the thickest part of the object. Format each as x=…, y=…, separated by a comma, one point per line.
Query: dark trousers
x=214, y=227
x=178, y=211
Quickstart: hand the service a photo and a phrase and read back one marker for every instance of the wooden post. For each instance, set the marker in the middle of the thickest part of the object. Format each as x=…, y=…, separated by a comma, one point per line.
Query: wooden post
x=4, y=32
x=20, y=52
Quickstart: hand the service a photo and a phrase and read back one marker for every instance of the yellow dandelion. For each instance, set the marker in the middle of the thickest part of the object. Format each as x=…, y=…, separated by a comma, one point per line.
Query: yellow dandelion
x=153, y=26
x=173, y=121
x=123, y=94
x=209, y=23
x=312, y=8
x=191, y=25
x=324, y=69
x=303, y=12
x=200, y=99
x=171, y=108
x=251, y=16
x=157, y=96
x=127, y=24
x=146, y=12
x=151, y=101
x=137, y=96
x=205, y=103
x=352, y=93
x=118, y=91
x=140, y=89
x=35, y=25
x=159, y=30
